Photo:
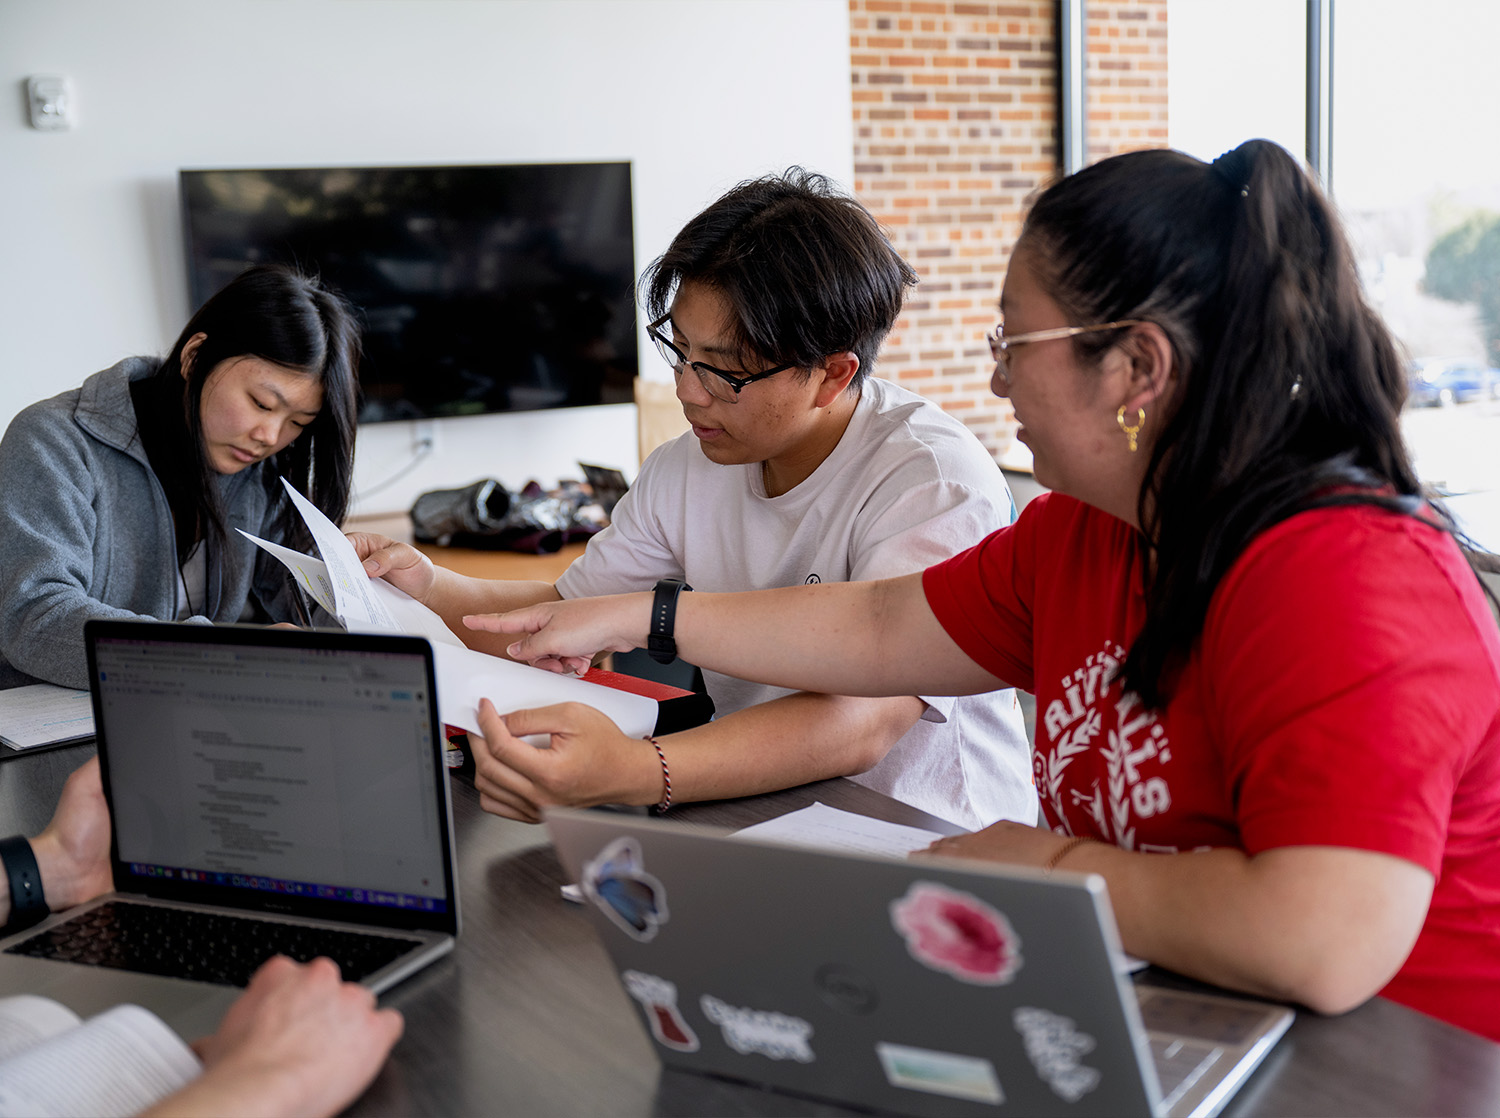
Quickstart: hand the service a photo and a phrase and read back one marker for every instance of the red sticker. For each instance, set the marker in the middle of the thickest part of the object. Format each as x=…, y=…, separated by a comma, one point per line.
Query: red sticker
x=957, y=933
x=658, y=998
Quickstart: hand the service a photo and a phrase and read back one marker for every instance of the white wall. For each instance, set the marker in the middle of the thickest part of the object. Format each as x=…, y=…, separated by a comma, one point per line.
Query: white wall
x=697, y=94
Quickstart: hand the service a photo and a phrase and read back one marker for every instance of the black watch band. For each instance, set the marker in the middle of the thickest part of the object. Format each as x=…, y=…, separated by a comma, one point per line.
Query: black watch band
x=28, y=904
x=660, y=645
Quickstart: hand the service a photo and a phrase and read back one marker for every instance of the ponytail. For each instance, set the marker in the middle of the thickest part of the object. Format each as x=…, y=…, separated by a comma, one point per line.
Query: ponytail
x=1290, y=385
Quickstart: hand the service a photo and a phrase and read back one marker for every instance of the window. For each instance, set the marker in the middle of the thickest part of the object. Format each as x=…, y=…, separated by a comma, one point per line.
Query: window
x=1412, y=161
x=1413, y=164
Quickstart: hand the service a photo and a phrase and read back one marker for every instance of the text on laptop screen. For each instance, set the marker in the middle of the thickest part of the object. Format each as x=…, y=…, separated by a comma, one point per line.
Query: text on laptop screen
x=274, y=768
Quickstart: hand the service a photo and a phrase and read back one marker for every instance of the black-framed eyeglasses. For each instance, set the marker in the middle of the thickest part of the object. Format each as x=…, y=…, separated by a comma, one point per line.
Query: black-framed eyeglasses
x=1000, y=344
x=716, y=382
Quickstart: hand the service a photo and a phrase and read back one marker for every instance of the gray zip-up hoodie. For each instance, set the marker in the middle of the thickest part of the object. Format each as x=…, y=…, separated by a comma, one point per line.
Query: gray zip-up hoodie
x=85, y=531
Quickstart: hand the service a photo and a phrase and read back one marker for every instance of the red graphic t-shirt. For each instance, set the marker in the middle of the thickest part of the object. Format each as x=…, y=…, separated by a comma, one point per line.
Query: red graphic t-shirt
x=1345, y=692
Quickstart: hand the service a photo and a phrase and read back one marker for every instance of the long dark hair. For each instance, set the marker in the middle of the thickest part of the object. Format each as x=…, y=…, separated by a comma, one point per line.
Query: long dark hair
x=806, y=270
x=1290, y=386
x=279, y=315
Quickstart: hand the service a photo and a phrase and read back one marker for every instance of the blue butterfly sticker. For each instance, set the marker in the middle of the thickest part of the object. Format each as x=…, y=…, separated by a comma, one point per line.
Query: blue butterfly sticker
x=617, y=882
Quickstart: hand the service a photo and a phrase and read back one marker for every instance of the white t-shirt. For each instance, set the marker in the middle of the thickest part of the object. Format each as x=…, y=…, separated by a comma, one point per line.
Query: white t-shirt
x=906, y=487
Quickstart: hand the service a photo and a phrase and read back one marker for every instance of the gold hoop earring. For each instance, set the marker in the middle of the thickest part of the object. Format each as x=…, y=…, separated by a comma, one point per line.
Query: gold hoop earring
x=1131, y=432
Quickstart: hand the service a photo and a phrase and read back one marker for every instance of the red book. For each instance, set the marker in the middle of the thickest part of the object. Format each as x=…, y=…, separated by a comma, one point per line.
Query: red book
x=677, y=709
x=635, y=685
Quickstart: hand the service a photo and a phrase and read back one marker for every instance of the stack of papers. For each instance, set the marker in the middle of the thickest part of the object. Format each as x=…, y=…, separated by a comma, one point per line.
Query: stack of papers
x=42, y=714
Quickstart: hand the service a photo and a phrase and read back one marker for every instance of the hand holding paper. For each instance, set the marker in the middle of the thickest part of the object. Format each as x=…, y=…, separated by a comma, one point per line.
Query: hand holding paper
x=340, y=585
x=589, y=761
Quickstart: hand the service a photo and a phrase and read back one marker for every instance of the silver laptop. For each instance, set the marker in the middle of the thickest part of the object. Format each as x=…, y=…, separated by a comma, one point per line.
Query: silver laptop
x=271, y=791
x=919, y=987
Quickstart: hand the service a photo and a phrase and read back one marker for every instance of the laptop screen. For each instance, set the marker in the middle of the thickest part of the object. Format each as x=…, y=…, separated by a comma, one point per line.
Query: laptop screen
x=274, y=770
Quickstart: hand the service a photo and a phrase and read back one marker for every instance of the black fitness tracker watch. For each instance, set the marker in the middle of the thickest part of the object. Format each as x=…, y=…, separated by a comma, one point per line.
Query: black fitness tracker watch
x=28, y=904
x=660, y=645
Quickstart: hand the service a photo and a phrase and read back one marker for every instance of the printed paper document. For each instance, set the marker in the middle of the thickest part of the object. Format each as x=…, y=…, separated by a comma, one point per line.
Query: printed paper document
x=120, y=1062
x=828, y=828
x=339, y=584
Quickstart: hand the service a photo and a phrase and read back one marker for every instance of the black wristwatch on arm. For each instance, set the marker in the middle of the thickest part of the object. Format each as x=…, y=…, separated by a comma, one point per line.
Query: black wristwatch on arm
x=28, y=904
x=660, y=644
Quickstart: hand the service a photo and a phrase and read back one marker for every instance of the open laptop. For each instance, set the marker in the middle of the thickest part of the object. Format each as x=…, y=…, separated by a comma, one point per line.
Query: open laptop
x=926, y=987
x=272, y=791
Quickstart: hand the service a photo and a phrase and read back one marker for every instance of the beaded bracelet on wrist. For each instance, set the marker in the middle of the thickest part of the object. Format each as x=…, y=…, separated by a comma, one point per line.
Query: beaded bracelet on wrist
x=1064, y=850
x=666, y=779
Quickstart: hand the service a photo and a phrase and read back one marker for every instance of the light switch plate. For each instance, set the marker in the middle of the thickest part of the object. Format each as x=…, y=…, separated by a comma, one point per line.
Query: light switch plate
x=51, y=101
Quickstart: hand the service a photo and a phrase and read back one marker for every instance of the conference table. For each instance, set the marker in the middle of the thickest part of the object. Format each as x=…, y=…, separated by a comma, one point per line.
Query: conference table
x=525, y=1017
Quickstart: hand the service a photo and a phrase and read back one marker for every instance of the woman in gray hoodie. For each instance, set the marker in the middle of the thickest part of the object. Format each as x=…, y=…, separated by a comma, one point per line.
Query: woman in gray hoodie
x=121, y=498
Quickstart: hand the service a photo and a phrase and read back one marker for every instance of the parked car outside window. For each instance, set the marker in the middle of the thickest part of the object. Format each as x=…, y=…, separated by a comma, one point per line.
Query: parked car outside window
x=1434, y=383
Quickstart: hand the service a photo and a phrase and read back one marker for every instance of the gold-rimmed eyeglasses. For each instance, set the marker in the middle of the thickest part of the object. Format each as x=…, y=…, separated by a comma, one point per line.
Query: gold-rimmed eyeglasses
x=1000, y=344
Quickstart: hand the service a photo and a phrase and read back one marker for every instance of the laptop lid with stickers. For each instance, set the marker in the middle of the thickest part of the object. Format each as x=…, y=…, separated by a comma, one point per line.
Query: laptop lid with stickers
x=922, y=987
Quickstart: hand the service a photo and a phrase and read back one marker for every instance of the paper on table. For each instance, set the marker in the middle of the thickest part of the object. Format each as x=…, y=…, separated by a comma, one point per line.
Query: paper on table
x=367, y=605
x=44, y=714
x=828, y=828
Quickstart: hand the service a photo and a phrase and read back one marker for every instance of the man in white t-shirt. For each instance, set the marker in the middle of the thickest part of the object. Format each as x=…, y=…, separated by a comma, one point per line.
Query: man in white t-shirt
x=770, y=306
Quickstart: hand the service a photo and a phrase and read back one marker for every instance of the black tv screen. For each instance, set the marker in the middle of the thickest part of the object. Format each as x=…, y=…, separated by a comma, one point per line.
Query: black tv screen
x=480, y=288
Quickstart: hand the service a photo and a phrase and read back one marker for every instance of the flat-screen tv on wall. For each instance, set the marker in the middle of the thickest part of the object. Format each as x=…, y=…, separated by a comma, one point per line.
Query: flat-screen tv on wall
x=480, y=288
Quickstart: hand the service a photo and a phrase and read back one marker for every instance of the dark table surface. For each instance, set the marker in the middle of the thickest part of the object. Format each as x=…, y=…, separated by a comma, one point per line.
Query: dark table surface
x=526, y=1016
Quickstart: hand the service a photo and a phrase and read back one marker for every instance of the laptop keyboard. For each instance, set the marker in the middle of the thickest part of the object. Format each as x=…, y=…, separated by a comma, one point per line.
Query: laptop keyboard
x=204, y=946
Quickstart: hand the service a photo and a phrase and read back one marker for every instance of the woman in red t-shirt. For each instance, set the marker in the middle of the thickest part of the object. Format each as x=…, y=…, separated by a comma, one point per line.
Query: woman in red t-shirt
x=1267, y=679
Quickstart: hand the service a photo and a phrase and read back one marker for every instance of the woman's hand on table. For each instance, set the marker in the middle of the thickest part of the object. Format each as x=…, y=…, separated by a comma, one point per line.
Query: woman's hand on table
x=1014, y=843
x=400, y=564
x=589, y=761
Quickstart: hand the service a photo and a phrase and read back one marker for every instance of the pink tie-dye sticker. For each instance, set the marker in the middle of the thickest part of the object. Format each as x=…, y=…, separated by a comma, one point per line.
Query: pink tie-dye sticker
x=957, y=933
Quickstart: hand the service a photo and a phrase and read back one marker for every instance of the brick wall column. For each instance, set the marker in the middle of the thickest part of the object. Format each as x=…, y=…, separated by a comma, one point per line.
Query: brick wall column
x=955, y=124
